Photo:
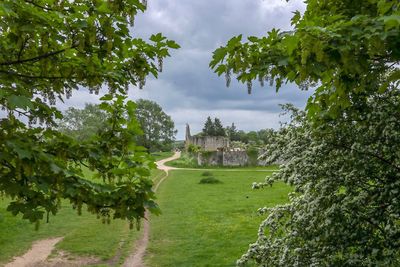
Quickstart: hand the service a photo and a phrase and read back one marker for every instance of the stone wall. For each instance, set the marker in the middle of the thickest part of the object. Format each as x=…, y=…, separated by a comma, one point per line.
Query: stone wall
x=208, y=143
x=235, y=158
x=225, y=158
x=210, y=158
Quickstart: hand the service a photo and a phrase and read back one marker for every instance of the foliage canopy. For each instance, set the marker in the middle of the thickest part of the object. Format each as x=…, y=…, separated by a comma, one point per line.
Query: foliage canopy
x=158, y=127
x=213, y=128
x=82, y=124
x=49, y=48
x=342, y=154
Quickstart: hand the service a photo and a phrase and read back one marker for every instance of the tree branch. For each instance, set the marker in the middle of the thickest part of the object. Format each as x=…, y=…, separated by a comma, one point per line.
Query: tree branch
x=33, y=76
x=34, y=59
x=379, y=157
x=22, y=48
x=39, y=6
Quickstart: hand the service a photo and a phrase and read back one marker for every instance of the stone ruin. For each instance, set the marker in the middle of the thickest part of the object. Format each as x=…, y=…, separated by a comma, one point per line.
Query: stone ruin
x=216, y=151
x=206, y=143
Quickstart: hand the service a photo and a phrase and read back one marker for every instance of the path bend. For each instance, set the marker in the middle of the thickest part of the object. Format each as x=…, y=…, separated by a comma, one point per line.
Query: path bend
x=136, y=258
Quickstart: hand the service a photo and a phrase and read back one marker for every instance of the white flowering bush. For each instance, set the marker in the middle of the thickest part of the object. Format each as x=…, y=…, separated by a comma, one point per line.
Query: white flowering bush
x=342, y=156
x=345, y=210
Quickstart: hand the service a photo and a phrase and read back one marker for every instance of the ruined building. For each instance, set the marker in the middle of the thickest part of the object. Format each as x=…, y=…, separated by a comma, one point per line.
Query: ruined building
x=215, y=151
x=206, y=143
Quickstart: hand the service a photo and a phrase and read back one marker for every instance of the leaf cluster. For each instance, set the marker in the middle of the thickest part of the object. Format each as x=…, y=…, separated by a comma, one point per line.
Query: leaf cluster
x=345, y=49
x=48, y=49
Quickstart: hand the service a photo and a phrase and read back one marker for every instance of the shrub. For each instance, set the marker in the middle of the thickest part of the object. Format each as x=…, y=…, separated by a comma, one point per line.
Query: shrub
x=210, y=180
x=185, y=161
x=252, y=153
x=193, y=149
x=207, y=173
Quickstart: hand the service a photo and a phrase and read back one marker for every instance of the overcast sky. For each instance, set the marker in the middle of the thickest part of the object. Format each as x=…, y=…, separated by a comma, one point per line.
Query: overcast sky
x=187, y=89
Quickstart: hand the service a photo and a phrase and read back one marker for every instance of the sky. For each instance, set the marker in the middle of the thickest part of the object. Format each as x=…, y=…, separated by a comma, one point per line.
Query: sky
x=187, y=89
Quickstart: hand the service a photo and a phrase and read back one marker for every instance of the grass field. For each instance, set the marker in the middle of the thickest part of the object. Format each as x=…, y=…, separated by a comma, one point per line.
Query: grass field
x=208, y=224
x=84, y=235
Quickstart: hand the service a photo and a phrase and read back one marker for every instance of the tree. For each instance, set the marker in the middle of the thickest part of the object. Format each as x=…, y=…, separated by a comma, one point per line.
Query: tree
x=252, y=137
x=158, y=128
x=213, y=128
x=231, y=131
x=48, y=50
x=266, y=136
x=208, y=129
x=341, y=154
x=241, y=136
x=218, y=128
x=82, y=124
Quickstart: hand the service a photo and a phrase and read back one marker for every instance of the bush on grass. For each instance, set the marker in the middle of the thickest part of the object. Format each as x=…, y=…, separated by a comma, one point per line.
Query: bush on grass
x=207, y=173
x=210, y=180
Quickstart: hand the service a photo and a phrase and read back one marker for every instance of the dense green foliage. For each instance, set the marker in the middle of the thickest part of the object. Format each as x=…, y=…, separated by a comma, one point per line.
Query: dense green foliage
x=49, y=48
x=342, y=155
x=158, y=128
x=82, y=124
x=258, y=138
x=219, y=219
x=208, y=128
x=346, y=49
x=255, y=138
x=213, y=128
x=186, y=160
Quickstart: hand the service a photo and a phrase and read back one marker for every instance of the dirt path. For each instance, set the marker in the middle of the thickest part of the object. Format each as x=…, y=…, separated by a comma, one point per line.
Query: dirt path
x=38, y=253
x=136, y=258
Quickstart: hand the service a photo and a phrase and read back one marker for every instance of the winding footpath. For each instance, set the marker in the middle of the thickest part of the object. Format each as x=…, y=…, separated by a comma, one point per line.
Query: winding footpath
x=136, y=258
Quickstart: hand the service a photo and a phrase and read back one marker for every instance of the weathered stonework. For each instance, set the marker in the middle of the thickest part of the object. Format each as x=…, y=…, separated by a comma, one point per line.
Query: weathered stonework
x=226, y=158
x=210, y=158
x=206, y=143
x=235, y=158
x=215, y=151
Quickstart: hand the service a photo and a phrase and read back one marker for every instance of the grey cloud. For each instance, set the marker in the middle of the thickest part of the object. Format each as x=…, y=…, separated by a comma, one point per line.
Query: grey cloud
x=188, y=90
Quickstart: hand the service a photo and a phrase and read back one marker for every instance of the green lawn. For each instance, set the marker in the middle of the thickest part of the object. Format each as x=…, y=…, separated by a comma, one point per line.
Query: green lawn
x=208, y=224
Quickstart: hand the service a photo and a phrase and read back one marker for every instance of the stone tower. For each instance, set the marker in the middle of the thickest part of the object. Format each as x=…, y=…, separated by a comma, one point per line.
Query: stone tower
x=187, y=132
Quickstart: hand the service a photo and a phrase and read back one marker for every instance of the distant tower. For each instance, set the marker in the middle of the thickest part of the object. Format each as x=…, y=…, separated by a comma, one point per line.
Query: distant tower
x=187, y=132
x=188, y=137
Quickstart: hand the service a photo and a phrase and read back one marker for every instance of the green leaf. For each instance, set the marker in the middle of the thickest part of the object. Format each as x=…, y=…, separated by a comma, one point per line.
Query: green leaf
x=392, y=21
x=291, y=43
x=157, y=38
x=103, y=8
x=218, y=55
x=173, y=45
x=296, y=18
x=17, y=101
x=253, y=39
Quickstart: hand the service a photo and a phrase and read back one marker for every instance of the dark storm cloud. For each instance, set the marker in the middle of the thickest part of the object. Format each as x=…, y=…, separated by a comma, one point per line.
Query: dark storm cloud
x=187, y=89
